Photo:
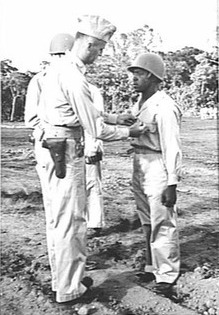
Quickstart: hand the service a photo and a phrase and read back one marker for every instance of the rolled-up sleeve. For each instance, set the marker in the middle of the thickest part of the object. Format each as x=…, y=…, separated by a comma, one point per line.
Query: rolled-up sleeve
x=169, y=131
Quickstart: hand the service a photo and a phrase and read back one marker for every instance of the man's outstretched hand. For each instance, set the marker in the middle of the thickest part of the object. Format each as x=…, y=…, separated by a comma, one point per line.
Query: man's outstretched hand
x=125, y=119
x=136, y=129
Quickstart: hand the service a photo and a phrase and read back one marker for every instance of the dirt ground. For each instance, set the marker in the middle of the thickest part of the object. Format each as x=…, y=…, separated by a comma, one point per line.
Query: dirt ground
x=119, y=251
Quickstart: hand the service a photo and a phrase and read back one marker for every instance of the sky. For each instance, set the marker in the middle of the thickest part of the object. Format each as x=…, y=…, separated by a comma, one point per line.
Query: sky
x=27, y=26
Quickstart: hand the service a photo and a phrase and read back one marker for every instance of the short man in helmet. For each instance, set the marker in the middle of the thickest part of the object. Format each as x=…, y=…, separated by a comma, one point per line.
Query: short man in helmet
x=66, y=109
x=156, y=171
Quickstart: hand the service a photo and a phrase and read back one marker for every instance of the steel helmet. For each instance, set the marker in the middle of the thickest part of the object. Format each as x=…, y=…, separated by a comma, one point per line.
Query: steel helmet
x=60, y=43
x=150, y=62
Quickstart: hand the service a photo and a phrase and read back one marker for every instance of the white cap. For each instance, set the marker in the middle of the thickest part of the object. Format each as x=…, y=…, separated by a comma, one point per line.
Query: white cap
x=96, y=26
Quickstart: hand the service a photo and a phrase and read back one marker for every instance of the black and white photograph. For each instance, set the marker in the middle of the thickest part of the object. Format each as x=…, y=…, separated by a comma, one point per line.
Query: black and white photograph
x=109, y=157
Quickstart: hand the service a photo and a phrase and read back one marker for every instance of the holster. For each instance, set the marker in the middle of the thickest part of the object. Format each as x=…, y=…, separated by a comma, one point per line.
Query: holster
x=57, y=148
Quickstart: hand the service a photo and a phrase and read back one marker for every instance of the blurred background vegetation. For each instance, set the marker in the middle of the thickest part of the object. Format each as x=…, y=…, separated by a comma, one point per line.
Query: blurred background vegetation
x=191, y=76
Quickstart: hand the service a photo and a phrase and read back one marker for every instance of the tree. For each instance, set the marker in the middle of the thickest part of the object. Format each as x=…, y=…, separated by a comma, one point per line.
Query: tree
x=128, y=46
x=13, y=90
x=205, y=81
x=200, y=89
x=180, y=65
x=112, y=79
x=6, y=96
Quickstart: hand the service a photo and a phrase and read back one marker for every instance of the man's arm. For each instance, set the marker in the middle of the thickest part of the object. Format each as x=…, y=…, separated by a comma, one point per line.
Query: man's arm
x=78, y=94
x=119, y=119
x=171, y=150
x=32, y=101
x=169, y=132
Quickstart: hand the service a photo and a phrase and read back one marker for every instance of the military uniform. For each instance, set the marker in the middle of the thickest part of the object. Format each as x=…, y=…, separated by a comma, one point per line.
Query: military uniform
x=157, y=163
x=93, y=157
x=65, y=109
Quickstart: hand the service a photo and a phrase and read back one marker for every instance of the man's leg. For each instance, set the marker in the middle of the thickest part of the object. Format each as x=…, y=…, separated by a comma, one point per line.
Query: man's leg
x=147, y=232
x=164, y=234
x=95, y=211
x=69, y=226
x=45, y=169
x=149, y=181
x=164, y=243
x=143, y=210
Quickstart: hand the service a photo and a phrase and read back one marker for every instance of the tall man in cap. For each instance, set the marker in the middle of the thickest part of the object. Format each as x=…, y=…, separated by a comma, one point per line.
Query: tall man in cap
x=156, y=171
x=66, y=109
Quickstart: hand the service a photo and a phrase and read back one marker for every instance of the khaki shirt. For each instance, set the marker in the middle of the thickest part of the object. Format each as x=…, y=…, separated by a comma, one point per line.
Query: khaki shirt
x=32, y=100
x=162, y=117
x=35, y=86
x=66, y=100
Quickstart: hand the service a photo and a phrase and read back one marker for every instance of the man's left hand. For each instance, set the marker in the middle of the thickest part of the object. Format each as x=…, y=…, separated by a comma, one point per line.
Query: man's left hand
x=168, y=197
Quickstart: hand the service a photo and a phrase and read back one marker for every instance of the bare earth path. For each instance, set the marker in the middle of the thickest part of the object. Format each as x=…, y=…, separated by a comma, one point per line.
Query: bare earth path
x=25, y=274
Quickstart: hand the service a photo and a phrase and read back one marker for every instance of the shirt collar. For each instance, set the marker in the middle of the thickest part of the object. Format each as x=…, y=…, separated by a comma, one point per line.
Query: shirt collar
x=151, y=100
x=81, y=66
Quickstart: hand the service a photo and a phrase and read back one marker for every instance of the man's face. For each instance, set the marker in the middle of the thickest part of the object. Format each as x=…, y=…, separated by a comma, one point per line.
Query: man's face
x=140, y=79
x=95, y=49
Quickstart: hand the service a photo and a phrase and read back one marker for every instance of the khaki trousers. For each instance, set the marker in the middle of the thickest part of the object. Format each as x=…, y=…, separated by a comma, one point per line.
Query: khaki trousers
x=65, y=208
x=149, y=181
x=95, y=211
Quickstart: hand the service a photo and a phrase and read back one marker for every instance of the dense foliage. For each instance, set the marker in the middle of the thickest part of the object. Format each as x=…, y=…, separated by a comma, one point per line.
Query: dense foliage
x=13, y=91
x=191, y=75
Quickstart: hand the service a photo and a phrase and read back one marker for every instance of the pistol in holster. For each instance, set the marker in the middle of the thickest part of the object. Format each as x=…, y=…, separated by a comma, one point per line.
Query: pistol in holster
x=57, y=148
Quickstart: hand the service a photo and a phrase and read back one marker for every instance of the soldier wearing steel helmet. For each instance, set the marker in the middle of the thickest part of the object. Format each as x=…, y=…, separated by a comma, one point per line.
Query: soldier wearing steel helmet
x=59, y=46
x=156, y=171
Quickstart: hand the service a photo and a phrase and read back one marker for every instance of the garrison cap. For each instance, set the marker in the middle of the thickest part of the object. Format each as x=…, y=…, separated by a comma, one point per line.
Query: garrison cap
x=96, y=26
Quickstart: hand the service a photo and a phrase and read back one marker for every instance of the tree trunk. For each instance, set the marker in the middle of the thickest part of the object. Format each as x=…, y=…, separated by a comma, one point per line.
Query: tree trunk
x=202, y=87
x=13, y=107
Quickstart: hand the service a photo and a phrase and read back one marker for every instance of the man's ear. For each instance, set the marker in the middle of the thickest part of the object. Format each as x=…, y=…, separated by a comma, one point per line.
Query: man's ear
x=89, y=45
